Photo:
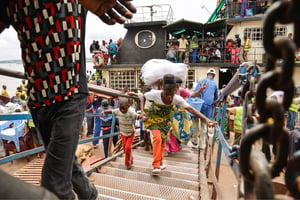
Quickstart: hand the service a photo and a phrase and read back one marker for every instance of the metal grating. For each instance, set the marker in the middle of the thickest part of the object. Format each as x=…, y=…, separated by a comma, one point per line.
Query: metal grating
x=31, y=173
x=179, y=157
x=123, y=194
x=120, y=79
x=170, y=161
x=147, y=177
x=150, y=189
x=147, y=163
x=166, y=172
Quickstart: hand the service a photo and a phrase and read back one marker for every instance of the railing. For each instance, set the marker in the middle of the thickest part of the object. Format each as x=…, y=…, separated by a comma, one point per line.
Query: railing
x=41, y=149
x=206, y=55
x=244, y=9
x=93, y=88
x=161, y=12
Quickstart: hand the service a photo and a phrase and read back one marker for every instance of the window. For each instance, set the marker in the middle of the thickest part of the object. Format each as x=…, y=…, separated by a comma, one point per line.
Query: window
x=119, y=79
x=280, y=31
x=191, y=76
x=256, y=33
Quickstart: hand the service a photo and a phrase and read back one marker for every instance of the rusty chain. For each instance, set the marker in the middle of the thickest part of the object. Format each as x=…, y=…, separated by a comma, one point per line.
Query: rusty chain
x=253, y=167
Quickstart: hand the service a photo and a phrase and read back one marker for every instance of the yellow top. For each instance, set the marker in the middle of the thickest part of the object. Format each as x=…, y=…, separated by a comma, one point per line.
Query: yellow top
x=293, y=107
x=4, y=93
x=238, y=119
x=183, y=44
x=247, y=45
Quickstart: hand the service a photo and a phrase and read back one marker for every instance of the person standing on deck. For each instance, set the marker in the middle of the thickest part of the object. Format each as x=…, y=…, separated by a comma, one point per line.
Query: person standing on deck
x=207, y=90
x=4, y=91
x=160, y=114
x=52, y=35
x=238, y=42
x=195, y=47
x=247, y=47
x=183, y=47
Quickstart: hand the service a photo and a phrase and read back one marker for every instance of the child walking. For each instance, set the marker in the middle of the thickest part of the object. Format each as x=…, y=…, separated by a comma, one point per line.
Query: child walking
x=159, y=117
x=126, y=124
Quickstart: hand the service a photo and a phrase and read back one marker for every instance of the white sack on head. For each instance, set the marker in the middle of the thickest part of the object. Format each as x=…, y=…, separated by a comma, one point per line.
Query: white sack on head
x=155, y=69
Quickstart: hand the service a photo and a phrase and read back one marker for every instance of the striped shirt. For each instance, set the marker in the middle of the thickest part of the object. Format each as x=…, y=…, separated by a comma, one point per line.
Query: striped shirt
x=126, y=121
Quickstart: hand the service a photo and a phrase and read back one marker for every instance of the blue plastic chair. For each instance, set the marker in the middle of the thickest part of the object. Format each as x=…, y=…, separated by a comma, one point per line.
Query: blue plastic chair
x=13, y=134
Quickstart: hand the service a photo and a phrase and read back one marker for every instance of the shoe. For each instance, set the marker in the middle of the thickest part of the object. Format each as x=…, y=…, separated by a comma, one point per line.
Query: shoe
x=166, y=153
x=189, y=144
x=156, y=171
x=95, y=146
x=194, y=146
x=128, y=167
x=162, y=166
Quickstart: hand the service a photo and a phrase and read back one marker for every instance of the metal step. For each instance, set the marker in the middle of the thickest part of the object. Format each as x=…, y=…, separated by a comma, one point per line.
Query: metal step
x=31, y=172
x=104, y=197
x=166, y=172
x=180, y=154
x=123, y=194
x=149, y=189
x=148, y=164
x=147, y=177
x=186, y=158
x=166, y=161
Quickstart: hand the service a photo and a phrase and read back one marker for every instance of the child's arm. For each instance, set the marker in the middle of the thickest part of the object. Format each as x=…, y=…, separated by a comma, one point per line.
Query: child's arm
x=143, y=117
x=106, y=112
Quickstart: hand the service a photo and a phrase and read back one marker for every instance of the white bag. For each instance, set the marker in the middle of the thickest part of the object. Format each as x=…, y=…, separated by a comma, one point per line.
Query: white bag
x=155, y=69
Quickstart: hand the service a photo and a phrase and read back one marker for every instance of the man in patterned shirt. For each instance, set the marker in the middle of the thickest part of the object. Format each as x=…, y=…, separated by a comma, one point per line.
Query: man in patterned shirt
x=51, y=34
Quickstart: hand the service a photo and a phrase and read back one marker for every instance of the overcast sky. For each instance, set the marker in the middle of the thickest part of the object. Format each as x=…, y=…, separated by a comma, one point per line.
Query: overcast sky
x=195, y=10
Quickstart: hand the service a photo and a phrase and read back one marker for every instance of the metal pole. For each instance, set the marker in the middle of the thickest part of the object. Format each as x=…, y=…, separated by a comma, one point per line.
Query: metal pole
x=93, y=88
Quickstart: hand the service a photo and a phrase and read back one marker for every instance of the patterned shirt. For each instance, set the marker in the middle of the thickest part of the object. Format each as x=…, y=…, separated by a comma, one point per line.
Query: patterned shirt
x=51, y=34
x=126, y=121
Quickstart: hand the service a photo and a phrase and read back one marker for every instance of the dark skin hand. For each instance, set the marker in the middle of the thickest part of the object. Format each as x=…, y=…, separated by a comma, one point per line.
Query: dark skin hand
x=110, y=11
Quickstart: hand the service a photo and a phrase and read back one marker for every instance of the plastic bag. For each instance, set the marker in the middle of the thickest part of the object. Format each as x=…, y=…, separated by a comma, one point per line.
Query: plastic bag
x=155, y=69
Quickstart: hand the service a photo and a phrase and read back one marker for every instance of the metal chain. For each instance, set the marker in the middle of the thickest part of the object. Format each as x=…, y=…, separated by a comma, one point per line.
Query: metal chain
x=253, y=167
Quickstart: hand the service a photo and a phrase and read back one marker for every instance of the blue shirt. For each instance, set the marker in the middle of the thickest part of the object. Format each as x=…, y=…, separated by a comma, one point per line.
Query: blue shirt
x=113, y=47
x=208, y=95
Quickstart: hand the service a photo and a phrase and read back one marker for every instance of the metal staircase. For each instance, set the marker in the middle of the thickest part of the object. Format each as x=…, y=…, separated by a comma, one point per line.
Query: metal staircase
x=183, y=178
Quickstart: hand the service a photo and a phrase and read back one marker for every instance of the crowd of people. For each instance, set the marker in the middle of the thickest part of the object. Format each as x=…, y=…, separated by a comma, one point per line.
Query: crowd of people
x=244, y=8
x=211, y=49
x=107, y=50
x=20, y=96
x=58, y=94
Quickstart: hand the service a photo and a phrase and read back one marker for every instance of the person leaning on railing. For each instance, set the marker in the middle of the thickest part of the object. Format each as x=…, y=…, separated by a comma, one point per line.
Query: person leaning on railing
x=52, y=35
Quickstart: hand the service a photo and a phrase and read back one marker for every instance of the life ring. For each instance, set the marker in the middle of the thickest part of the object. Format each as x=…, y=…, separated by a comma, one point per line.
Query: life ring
x=98, y=60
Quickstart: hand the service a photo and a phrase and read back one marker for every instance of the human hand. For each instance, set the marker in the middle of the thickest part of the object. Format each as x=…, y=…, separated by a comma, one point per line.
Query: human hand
x=110, y=11
x=203, y=86
x=211, y=122
x=144, y=118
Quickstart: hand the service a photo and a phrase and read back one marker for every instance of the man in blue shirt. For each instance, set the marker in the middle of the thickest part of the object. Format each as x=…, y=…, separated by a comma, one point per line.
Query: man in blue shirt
x=207, y=90
x=112, y=50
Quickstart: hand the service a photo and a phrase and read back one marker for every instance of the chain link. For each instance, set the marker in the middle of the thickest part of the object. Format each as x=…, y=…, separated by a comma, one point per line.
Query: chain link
x=253, y=167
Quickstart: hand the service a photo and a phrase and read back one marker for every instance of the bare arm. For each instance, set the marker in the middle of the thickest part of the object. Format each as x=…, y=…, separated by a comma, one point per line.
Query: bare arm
x=199, y=114
x=110, y=11
x=197, y=93
x=142, y=108
x=106, y=112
